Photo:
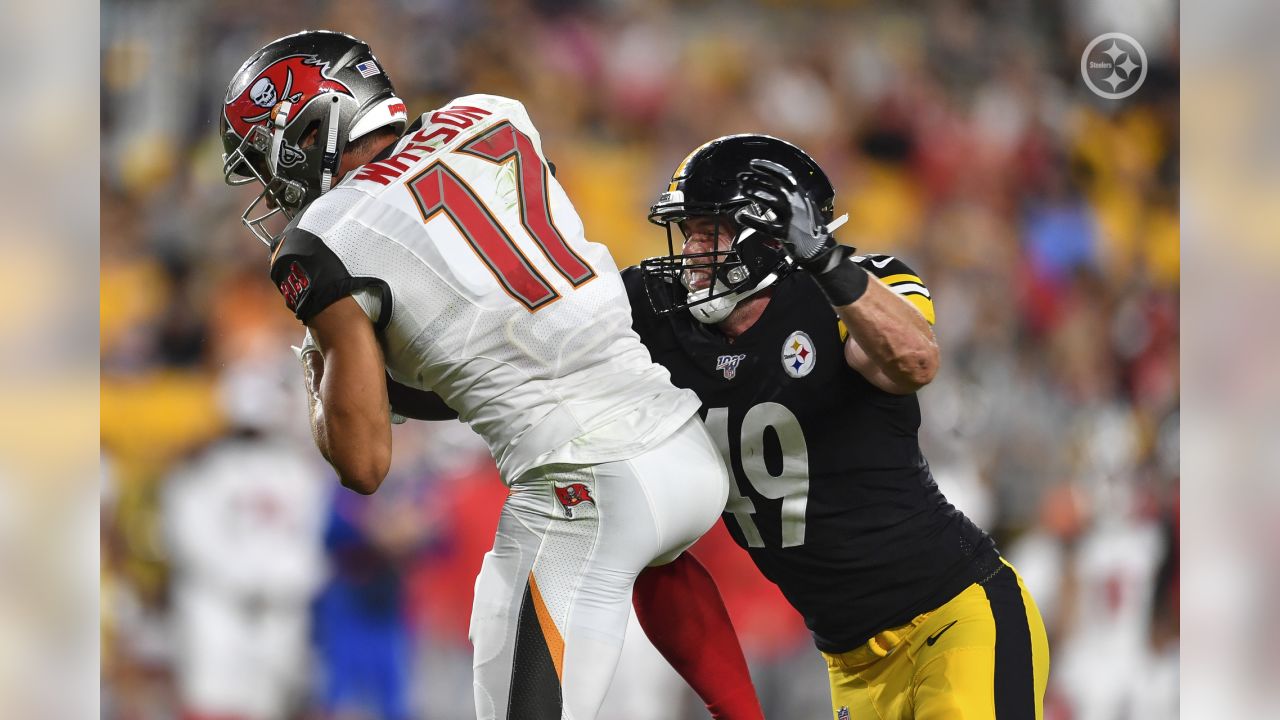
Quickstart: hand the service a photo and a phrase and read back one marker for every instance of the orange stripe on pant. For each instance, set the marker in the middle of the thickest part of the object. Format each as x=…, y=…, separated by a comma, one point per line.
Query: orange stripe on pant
x=555, y=643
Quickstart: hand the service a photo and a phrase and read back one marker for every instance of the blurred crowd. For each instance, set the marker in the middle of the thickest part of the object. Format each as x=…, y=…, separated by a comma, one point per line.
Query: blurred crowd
x=238, y=579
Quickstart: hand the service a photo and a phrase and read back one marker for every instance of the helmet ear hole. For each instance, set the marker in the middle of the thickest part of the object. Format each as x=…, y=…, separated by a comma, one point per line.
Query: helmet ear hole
x=310, y=136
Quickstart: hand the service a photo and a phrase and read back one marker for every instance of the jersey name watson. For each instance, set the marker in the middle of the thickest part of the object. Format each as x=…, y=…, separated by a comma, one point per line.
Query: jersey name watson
x=474, y=266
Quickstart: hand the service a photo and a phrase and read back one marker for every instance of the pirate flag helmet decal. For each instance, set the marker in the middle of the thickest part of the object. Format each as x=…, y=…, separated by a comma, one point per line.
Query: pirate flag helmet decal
x=290, y=111
x=298, y=79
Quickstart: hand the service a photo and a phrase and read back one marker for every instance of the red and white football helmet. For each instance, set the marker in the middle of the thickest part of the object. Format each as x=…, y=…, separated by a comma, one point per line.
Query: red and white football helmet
x=290, y=111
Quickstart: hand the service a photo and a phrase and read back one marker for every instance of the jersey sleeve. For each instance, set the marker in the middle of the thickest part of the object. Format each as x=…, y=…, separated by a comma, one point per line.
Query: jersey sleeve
x=311, y=277
x=901, y=279
x=641, y=312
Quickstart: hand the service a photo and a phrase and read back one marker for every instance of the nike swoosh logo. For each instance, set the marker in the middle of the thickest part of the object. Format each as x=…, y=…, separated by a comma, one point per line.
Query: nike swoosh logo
x=881, y=263
x=934, y=637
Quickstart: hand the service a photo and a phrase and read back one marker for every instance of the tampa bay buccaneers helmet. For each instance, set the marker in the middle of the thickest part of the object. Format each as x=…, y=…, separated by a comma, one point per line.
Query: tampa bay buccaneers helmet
x=290, y=111
x=706, y=184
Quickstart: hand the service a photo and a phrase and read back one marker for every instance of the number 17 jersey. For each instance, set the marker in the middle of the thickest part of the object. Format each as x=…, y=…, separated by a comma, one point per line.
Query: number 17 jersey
x=832, y=497
x=473, y=265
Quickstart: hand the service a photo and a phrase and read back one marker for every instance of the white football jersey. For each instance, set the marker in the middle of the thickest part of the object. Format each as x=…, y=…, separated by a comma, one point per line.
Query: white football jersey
x=488, y=292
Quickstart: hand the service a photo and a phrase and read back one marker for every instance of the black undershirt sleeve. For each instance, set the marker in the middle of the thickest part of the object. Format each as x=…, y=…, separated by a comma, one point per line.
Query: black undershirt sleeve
x=311, y=277
x=417, y=404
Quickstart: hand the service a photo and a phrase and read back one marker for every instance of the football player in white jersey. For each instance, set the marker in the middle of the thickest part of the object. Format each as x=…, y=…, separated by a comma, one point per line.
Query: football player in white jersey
x=441, y=270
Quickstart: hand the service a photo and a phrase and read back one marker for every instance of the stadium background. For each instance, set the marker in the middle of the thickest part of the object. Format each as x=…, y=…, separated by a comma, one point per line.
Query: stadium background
x=959, y=135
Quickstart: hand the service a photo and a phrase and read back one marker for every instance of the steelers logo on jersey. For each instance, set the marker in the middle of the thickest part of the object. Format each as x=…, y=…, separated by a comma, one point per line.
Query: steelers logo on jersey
x=798, y=356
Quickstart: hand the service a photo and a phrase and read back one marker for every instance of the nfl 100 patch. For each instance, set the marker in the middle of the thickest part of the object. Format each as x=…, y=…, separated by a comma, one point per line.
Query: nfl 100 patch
x=798, y=356
x=728, y=364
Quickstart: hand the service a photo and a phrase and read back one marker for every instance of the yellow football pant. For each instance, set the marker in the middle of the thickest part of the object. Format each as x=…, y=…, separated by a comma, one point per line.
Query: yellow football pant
x=983, y=654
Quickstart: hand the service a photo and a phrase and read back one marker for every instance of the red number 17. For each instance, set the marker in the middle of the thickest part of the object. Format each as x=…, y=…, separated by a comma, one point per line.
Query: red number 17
x=439, y=189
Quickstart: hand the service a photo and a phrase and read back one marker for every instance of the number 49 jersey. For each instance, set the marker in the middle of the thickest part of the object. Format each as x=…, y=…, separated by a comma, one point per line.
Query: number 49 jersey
x=472, y=263
x=833, y=499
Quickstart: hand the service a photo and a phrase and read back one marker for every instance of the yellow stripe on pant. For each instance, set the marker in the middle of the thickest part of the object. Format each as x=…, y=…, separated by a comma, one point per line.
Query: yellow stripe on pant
x=983, y=654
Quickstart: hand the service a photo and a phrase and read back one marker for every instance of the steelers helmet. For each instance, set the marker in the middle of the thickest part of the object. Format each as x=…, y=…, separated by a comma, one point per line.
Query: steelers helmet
x=705, y=184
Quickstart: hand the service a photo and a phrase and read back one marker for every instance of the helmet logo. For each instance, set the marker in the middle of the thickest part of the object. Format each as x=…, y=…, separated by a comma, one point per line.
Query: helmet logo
x=263, y=93
x=297, y=78
x=290, y=155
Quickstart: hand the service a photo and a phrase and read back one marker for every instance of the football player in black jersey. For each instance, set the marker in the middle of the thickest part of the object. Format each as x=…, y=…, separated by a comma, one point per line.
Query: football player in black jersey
x=807, y=358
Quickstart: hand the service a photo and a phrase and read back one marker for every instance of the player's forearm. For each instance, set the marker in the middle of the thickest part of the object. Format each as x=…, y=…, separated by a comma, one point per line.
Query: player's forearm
x=312, y=370
x=355, y=441
x=895, y=336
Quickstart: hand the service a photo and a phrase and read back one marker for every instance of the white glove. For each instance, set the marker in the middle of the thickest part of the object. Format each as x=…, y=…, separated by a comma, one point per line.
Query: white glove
x=308, y=345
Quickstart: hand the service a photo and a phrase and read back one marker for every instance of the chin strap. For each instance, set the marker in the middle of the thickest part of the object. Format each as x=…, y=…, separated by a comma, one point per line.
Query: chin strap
x=838, y=223
x=330, y=160
x=277, y=136
x=710, y=312
x=718, y=308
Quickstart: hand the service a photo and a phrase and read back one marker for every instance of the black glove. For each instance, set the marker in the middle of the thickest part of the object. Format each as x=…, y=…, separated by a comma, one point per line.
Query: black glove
x=797, y=221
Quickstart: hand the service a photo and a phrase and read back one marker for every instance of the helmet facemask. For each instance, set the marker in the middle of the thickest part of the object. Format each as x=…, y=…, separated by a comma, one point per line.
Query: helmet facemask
x=294, y=161
x=749, y=264
x=253, y=160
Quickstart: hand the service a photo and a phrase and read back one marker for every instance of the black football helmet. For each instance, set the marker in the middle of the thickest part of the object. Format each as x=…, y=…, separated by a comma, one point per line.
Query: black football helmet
x=317, y=87
x=706, y=184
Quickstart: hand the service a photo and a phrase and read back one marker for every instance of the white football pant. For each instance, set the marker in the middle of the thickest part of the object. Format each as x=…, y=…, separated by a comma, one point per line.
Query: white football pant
x=553, y=596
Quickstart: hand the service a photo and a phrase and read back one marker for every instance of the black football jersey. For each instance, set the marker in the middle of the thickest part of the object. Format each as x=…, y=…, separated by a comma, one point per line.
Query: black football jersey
x=832, y=497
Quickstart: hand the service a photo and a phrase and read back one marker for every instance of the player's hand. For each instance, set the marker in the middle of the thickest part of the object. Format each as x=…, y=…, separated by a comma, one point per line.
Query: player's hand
x=797, y=220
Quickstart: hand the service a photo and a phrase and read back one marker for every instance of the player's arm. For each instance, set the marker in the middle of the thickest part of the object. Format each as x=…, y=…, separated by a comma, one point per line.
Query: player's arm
x=347, y=392
x=891, y=344
x=890, y=341
x=343, y=369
